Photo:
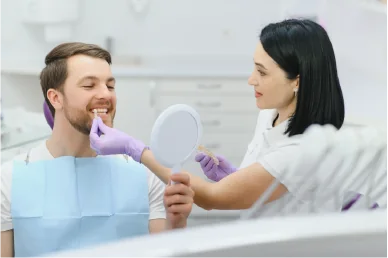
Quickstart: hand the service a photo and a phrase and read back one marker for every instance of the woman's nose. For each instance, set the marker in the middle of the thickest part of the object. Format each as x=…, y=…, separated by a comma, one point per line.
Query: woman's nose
x=252, y=81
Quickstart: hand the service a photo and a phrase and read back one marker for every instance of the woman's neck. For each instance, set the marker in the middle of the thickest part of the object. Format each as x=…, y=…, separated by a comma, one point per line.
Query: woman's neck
x=285, y=113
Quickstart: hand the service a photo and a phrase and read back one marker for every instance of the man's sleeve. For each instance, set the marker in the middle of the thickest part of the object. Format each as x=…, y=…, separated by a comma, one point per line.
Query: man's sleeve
x=156, y=194
x=6, y=179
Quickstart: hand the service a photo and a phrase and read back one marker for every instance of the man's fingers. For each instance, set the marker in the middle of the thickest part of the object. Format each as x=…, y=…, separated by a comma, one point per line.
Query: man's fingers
x=179, y=189
x=181, y=178
x=178, y=199
x=180, y=208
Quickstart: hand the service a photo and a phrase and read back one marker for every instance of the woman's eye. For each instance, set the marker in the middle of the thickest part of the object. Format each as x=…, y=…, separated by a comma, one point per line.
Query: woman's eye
x=111, y=87
x=88, y=86
x=261, y=73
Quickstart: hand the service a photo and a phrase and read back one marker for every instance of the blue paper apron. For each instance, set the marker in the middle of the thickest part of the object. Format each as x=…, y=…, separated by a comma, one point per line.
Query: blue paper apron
x=69, y=203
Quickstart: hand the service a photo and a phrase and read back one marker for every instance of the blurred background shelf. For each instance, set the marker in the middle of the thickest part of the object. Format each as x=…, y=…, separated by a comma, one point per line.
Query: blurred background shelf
x=376, y=6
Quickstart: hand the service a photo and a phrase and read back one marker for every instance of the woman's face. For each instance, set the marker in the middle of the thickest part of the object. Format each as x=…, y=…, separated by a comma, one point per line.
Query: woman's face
x=273, y=90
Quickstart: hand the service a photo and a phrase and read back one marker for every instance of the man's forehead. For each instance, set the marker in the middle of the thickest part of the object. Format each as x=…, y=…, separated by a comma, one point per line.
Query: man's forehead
x=82, y=66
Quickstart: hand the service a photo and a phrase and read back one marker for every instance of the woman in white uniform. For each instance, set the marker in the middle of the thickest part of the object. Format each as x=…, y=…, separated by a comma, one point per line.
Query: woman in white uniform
x=317, y=94
x=266, y=135
x=271, y=129
x=295, y=83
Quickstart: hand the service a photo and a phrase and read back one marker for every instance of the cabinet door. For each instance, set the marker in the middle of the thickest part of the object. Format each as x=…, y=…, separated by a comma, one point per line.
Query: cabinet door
x=135, y=114
x=13, y=90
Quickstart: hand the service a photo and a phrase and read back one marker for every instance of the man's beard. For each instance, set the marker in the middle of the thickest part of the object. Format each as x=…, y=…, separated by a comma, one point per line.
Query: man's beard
x=81, y=119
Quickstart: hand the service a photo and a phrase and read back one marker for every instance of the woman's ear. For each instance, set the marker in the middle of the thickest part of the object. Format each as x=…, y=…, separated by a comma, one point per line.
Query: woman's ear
x=295, y=84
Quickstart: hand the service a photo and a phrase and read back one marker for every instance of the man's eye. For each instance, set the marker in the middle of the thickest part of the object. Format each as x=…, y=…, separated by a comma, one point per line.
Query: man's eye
x=111, y=87
x=88, y=86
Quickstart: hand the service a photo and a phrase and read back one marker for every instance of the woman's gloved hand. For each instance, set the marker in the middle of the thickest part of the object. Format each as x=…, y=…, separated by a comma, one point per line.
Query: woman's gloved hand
x=210, y=168
x=113, y=141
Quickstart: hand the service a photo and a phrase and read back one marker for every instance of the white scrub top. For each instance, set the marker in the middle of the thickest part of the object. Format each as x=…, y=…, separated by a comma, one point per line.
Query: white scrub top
x=275, y=151
x=265, y=136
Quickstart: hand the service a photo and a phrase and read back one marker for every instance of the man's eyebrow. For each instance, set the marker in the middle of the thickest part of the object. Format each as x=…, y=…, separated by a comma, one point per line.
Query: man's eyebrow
x=110, y=79
x=87, y=78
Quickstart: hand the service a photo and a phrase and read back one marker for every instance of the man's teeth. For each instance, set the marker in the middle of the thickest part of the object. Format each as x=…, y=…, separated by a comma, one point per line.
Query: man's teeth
x=100, y=110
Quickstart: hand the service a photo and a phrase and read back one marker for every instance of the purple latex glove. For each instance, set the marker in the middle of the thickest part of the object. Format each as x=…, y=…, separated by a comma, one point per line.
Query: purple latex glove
x=211, y=170
x=114, y=141
x=354, y=200
x=48, y=115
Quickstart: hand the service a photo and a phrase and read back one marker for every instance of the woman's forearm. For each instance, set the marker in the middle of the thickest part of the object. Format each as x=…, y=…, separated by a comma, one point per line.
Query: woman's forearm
x=203, y=190
x=237, y=191
x=148, y=160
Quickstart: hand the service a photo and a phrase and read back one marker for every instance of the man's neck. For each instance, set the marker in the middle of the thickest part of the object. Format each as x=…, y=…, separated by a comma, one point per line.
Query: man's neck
x=67, y=141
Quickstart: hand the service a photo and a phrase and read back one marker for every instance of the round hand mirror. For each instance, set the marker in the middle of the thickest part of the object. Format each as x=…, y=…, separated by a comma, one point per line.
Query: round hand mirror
x=175, y=136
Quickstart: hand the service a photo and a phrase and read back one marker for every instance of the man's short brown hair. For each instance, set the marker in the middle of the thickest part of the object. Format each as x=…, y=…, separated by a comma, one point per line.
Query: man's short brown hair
x=54, y=75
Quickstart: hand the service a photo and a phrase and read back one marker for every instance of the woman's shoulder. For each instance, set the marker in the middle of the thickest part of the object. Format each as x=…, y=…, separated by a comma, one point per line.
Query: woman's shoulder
x=264, y=122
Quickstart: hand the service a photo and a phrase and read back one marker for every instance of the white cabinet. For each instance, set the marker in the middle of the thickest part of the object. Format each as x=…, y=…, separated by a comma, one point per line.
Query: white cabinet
x=21, y=91
x=227, y=108
x=205, y=86
x=210, y=103
x=228, y=112
x=135, y=112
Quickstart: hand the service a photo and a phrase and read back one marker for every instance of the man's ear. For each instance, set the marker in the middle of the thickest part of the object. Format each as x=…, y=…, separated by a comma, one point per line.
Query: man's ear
x=56, y=98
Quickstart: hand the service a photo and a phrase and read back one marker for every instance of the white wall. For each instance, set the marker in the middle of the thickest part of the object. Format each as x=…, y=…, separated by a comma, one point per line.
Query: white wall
x=185, y=27
x=168, y=27
x=359, y=36
x=193, y=28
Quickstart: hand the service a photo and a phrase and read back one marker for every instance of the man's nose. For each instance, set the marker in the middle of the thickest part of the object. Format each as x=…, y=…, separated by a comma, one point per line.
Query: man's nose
x=103, y=92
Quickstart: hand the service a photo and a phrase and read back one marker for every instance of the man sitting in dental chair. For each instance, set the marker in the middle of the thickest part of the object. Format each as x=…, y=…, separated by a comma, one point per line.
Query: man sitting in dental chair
x=61, y=195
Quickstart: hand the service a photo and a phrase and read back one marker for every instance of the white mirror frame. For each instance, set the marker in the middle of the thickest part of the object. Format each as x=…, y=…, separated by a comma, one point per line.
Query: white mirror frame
x=158, y=124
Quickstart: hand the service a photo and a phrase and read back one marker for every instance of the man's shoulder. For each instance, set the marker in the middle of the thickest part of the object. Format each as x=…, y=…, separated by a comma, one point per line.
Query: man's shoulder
x=6, y=178
x=7, y=166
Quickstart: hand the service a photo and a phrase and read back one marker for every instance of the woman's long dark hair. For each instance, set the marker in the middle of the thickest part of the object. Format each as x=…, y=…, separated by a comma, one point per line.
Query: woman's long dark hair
x=303, y=48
